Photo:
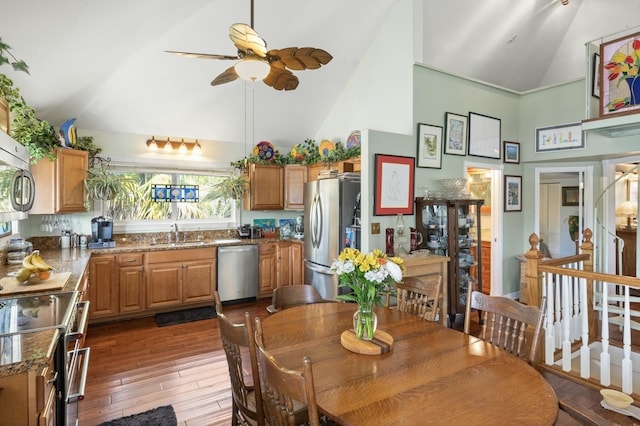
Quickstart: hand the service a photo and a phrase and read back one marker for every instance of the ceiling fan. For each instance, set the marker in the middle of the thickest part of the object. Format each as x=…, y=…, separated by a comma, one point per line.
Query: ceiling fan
x=255, y=62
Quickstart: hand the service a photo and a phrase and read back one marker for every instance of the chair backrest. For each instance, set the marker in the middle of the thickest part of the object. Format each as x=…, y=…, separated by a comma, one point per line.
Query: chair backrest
x=419, y=295
x=289, y=396
x=246, y=392
x=508, y=324
x=293, y=295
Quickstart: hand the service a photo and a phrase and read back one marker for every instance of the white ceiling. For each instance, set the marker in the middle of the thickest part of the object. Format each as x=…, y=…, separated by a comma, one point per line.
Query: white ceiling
x=103, y=62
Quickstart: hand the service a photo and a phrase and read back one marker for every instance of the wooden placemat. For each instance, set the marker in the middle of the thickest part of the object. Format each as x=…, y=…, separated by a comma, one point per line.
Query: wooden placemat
x=380, y=344
x=11, y=286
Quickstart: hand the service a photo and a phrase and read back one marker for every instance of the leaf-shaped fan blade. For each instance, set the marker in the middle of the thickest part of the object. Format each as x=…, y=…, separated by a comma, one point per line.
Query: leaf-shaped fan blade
x=202, y=55
x=245, y=38
x=300, y=58
x=281, y=79
x=227, y=76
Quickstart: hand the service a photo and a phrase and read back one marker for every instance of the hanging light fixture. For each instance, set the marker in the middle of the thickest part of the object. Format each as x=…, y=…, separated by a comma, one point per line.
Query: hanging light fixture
x=252, y=68
x=171, y=147
x=565, y=2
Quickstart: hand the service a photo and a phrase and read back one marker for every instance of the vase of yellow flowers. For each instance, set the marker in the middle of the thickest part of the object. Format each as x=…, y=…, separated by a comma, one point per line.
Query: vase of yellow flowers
x=368, y=276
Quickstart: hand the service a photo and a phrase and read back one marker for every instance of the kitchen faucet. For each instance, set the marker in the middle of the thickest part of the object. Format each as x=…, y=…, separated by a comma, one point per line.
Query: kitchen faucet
x=177, y=233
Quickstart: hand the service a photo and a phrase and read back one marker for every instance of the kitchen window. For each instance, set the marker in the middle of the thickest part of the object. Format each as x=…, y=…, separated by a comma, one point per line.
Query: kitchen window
x=136, y=211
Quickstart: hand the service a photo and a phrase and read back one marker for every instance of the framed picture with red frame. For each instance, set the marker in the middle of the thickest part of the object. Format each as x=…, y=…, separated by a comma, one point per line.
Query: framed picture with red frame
x=394, y=182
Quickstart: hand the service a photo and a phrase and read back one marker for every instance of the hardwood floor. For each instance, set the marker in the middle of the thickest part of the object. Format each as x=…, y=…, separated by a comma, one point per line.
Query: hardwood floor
x=136, y=366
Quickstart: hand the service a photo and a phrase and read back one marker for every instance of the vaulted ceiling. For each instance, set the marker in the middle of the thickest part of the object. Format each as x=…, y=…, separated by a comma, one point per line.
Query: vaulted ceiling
x=105, y=62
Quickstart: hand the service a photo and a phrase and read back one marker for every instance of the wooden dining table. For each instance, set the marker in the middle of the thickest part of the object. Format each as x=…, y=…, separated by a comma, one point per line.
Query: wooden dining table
x=431, y=375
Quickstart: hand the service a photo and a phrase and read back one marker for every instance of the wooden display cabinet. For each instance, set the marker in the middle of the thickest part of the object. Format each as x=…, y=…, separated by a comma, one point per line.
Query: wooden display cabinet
x=451, y=227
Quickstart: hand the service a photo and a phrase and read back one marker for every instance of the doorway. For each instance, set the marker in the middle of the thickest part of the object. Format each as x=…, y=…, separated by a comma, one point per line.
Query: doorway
x=485, y=182
x=564, y=202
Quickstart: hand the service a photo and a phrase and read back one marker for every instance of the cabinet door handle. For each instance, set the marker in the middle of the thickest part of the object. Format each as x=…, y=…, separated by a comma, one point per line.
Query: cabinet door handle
x=131, y=260
x=54, y=378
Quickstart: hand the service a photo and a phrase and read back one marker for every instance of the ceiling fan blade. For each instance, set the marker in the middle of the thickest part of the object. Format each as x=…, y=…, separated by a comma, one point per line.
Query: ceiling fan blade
x=300, y=58
x=245, y=38
x=227, y=76
x=281, y=79
x=202, y=55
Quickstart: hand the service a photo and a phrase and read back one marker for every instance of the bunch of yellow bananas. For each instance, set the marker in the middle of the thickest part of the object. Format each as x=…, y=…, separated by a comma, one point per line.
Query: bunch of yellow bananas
x=34, y=265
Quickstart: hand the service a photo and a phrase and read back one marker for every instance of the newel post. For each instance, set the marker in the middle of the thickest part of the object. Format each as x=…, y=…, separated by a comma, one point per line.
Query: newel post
x=587, y=265
x=533, y=276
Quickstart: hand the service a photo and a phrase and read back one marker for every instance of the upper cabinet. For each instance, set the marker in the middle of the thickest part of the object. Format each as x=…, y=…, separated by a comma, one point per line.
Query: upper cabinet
x=60, y=183
x=266, y=187
x=295, y=177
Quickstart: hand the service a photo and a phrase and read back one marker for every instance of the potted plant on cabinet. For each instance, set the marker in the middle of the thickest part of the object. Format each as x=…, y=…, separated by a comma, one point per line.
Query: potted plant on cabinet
x=37, y=135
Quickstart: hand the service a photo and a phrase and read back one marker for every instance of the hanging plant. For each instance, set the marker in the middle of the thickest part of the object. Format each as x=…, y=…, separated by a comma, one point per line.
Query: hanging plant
x=103, y=184
x=234, y=187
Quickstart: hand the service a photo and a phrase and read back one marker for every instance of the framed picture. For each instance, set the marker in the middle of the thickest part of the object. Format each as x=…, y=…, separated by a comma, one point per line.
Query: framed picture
x=563, y=136
x=484, y=136
x=394, y=181
x=5, y=229
x=570, y=195
x=512, y=193
x=595, y=76
x=619, y=89
x=511, y=151
x=429, y=146
x=455, y=134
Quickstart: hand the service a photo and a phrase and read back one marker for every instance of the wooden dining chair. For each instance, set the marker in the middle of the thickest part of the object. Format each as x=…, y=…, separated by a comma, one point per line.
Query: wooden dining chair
x=237, y=340
x=288, y=396
x=293, y=295
x=508, y=324
x=419, y=296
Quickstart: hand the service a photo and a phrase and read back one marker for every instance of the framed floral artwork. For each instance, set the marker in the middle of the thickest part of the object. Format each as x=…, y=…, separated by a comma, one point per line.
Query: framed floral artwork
x=455, y=141
x=394, y=182
x=484, y=136
x=512, y=193
x=511, y=152
x=429, y=146
x=570, y=196
x=619, y=75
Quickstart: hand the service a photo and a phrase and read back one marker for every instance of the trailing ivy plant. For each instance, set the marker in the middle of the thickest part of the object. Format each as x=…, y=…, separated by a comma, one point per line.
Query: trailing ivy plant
x=37, y=135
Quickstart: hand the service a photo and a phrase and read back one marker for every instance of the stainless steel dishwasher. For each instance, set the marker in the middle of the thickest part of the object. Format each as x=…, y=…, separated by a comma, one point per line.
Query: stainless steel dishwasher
x=238, y=272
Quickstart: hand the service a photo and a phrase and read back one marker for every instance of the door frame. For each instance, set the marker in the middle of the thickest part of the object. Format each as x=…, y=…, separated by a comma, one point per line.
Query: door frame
x=497, y=171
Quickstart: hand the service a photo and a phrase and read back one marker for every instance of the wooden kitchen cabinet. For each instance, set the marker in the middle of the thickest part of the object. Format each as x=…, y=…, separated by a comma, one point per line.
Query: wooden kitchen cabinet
x=60, y=183
x=267, y=269
x=131, y=282
x=297, y=263
x=176, y=277
x=283, y=269
x=266, y=187
x=295, y=177
x=29, y=398
x=103, y=286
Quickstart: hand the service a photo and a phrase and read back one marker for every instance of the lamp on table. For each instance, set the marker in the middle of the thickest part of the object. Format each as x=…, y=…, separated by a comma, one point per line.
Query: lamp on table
x=628, y=209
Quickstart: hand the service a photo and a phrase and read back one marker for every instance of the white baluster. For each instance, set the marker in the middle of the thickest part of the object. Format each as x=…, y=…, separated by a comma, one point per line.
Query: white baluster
x=566, y=322
x=549, y=339
x=627, y=367
x=558, y=324
x=605, y=357
x=585, y=352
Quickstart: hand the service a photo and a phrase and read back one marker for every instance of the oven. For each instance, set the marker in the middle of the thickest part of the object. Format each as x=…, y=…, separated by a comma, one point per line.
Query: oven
x=67, y=312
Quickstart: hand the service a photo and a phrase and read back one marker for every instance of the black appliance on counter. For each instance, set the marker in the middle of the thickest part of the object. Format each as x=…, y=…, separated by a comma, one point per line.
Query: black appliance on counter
x=244, y=231
x=101, y=232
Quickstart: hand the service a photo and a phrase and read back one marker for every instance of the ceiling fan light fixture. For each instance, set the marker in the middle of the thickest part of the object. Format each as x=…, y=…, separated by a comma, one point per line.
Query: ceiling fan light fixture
x=252, y=69
x=565, y=2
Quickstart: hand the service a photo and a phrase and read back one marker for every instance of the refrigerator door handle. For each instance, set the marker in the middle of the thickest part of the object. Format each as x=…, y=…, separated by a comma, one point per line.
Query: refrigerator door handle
x=316, y=221
x=319, y=269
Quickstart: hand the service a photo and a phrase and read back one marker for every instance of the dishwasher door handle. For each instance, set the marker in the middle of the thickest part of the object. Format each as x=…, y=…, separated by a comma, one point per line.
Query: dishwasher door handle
x=237, y=249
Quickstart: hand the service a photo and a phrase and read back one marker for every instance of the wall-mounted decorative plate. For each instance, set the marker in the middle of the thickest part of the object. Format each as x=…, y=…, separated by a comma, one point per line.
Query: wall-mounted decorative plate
x=265, y=151
x=326, y=147
x=354, y=139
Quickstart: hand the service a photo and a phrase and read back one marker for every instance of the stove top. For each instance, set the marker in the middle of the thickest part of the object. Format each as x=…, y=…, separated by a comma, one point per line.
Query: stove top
x=25, y=314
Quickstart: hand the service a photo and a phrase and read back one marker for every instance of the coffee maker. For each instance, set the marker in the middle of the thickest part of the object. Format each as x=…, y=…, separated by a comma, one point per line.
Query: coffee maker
x=101, y=232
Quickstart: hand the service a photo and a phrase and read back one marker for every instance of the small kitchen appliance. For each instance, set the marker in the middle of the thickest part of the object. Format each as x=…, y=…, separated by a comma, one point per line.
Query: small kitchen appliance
x=101, y=232
x=244, y=231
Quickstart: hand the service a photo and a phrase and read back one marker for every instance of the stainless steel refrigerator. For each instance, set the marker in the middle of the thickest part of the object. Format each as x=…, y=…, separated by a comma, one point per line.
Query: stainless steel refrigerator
x=331, y=220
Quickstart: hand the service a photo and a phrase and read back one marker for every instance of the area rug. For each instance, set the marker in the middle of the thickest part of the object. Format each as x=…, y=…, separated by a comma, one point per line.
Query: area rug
x=187, y=315
x=161, y=416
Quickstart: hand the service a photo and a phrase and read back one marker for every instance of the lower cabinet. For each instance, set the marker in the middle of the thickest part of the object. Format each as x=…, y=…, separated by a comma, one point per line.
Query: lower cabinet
x=129, y=284
x=175, y=277
x=281, y=264
x=29, y=398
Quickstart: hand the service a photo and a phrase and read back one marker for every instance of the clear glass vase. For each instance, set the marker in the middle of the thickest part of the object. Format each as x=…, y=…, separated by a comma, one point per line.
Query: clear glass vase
x=365, y=322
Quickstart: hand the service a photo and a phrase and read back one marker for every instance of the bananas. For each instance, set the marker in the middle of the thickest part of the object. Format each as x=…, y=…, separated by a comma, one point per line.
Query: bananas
x=33, y=264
